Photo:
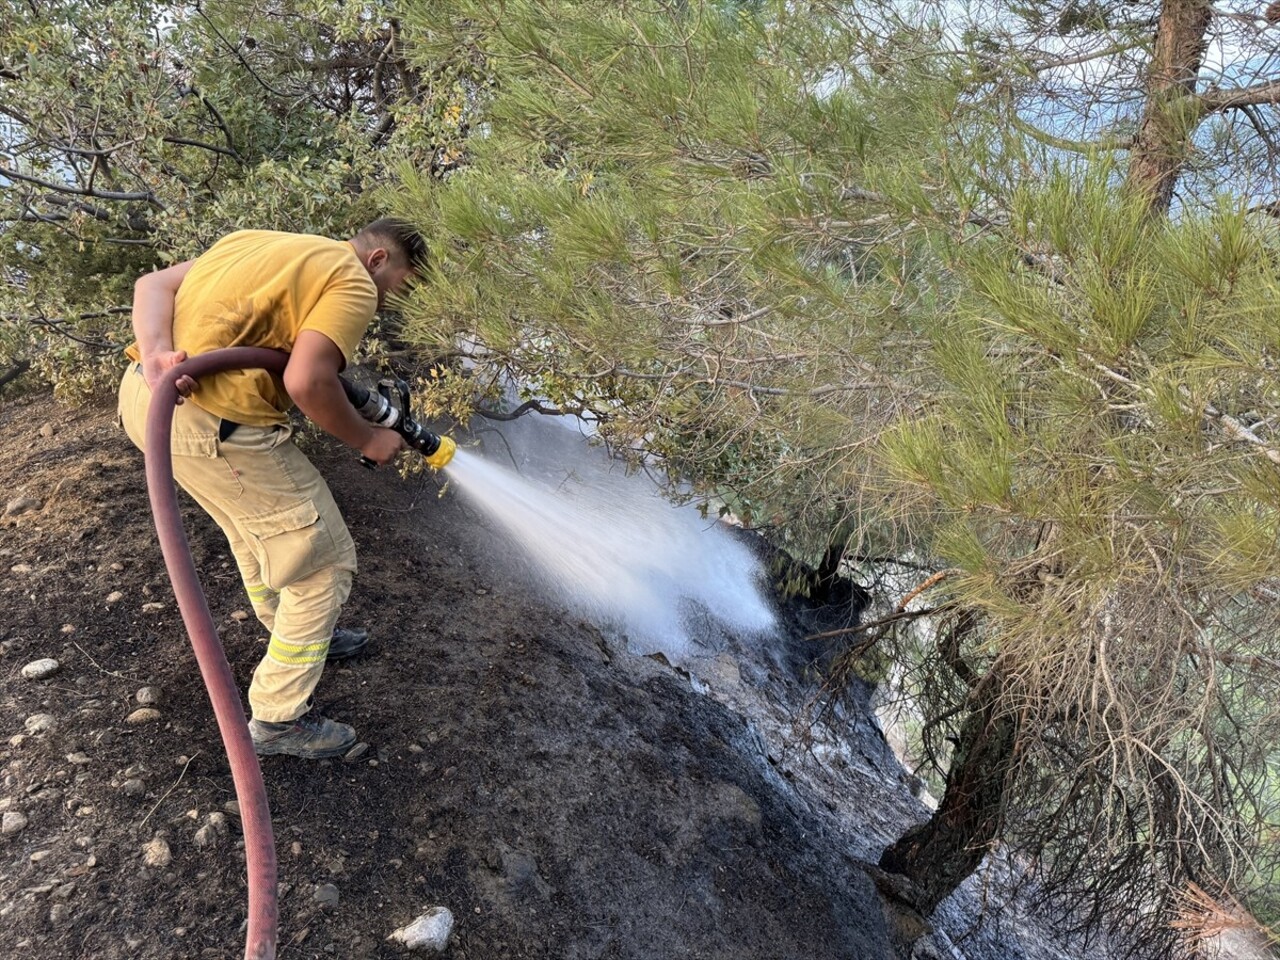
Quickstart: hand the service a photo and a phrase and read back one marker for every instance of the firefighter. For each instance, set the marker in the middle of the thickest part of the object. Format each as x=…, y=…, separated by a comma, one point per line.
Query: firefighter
x=232, y=445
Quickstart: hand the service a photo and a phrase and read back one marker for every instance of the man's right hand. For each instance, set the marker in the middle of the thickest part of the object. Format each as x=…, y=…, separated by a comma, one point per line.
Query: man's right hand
x=157, y=363
x=383, y=446
x=311, y=379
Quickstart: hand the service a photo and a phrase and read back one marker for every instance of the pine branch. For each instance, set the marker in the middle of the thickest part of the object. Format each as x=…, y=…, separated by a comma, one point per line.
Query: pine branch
x=1064, y=143
x=1218, y=99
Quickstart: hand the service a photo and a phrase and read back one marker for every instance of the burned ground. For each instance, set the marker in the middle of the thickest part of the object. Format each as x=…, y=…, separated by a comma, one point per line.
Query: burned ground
x=563, y=798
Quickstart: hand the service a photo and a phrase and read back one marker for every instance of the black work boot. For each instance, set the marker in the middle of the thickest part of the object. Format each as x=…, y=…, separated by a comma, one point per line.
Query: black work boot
x=347, y=643
x=311, y=737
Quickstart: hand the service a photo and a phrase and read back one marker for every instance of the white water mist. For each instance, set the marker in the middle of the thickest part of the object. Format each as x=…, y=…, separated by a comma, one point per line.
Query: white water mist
x=621, y=555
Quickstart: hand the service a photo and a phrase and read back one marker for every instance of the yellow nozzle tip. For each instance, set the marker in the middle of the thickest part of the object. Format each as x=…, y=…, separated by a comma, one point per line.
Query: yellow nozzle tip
x=444, y=453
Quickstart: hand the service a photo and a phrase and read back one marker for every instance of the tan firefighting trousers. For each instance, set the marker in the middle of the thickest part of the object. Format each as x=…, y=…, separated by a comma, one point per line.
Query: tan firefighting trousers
x=289, y=540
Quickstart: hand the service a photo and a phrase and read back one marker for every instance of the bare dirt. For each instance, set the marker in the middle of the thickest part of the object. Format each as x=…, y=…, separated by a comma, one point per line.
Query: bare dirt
x=563, y=798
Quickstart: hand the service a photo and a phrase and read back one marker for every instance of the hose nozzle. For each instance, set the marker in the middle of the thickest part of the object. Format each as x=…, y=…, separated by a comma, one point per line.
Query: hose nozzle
x=444, y=453
x=382, y=411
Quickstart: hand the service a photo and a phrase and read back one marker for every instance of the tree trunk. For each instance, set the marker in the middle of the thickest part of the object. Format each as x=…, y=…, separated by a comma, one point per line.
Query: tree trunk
x=937, y=855
x=1172, y=110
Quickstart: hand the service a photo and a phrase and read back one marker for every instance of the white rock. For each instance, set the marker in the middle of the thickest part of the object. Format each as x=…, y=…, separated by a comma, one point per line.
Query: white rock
x=40, y=723
x=115, y=596
x=20, y=505
x=142, y=715
x=214, y=829
x=12, y=822
x=206, y=837
x=41, y=669
x=431, y=931
x=155, y=853
x=148, y=696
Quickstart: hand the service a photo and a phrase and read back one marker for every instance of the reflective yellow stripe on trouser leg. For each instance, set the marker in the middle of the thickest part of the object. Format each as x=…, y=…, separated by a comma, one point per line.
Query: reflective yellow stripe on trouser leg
x=284, y=680
x=296, y=654
x=265, y=601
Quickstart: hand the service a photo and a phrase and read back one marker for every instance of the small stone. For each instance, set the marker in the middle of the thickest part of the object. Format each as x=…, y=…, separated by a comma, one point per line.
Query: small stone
x=152, y=607
x=79, y=759
x=20, y=568
x=295, y=848
x=47, y=430
x=239, y=616
x=431, y=931
x=148, y=696
x=214, y=829
x=232, y=807
x=117, y=566
x=142, y=715
x=326, y=895
x=61, y=914
x=40, y=723
x=68, y=628
x=115, y=596
x=65, y=891
x=133, y=787
x=156, y=853
x=20, y=505
x=356, y=752
x=41, y=669
x=12, y=822
x=39, y=855
x=17, y=739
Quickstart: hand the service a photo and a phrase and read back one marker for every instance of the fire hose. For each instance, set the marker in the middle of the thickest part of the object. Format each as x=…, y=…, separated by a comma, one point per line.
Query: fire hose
x=251, y=795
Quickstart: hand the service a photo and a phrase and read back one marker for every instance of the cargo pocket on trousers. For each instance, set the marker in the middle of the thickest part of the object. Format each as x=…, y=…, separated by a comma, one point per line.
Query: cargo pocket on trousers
x=290, y=544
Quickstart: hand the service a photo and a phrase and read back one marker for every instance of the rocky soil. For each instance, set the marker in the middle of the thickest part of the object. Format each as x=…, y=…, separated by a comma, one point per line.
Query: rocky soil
x=562, y=797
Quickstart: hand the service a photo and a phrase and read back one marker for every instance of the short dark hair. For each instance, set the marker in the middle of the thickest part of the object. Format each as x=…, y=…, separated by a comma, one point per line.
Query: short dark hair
x=391, y=232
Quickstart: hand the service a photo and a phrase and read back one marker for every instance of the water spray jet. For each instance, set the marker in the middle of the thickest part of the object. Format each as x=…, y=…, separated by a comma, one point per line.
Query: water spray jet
x=611, y=552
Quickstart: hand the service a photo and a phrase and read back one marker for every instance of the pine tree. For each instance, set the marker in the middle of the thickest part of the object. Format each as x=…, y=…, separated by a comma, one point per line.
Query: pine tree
x=822, y=277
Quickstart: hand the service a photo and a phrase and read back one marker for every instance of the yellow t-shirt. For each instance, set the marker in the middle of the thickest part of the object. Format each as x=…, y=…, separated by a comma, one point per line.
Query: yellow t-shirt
x=259, y=288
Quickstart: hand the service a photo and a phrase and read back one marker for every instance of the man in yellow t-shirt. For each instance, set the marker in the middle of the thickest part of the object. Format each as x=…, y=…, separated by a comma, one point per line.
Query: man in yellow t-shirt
x=232, y=443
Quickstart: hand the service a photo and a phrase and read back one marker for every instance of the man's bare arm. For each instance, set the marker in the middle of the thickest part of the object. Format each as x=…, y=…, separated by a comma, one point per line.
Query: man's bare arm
x=153, y=297
x=311, y=378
